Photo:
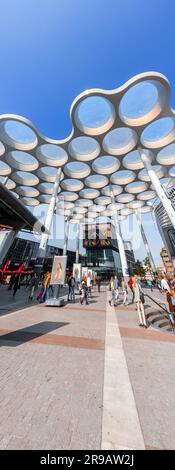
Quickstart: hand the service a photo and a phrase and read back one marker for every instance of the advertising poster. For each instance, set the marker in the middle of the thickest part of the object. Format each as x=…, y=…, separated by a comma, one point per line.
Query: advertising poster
x=58, y=270
x=84, y=274
x=77, y=271
x=90, y=273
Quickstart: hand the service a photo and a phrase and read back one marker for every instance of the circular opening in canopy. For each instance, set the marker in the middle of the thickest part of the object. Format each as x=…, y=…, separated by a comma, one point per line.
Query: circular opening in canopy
x=5, y=169
x=48, y=173
x=125, y=197
x=72, y=185
x=120, y=141
x=27, y=191
x=159, y=171
x=51, y=154
x=159, y=133
x=18, y=135
x=25, y=178
x=103, y=200
x=142, y=103
x=29, y=201
x=116, y=189
x=146, y=195
x=46, y=188
x=84, y=202
x=22, y=161
x=9, y=183
x=89, y=193
x=123, y=177
x=166, y=156
x=136, y=187
x=133, y=161
x=136, y=204
x=68, y=196
x=77, y=170
x=94, y=115
x=84, y=148
x=106, y=165
x=96, y=181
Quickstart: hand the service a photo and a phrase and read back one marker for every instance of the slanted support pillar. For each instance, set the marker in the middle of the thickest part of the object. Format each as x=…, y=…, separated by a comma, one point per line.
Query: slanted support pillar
x=77, y=243
x=66, y=236
x=6, y=239
x=145, y=242
x=158, y=188
x=49, y=217
x=119, y=239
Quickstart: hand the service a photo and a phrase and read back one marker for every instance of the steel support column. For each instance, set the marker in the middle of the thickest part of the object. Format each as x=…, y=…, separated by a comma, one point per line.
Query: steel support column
x=158, y=188
x=145, y=242
x=49, y=216
x=77, y=243
x=119, y=239
x=66, y=236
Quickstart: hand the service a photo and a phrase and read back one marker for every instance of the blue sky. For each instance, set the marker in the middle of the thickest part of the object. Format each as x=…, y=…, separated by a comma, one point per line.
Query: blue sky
x=51, y=50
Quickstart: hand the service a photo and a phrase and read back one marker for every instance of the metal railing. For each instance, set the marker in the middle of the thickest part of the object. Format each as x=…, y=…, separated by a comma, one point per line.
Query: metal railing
x=168, y=314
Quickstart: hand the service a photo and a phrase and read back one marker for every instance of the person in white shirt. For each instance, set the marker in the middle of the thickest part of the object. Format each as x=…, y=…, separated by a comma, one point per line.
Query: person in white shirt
x=165, y=285
x=89, y=285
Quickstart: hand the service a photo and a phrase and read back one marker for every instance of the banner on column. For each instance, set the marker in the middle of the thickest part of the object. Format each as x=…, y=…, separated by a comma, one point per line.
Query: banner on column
x=84, y=274
x=77, y=271
x=90, y=274
x=58, y=270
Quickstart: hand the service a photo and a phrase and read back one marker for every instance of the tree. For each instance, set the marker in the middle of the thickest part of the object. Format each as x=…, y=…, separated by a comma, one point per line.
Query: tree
x=148, y=268
x=139, y=269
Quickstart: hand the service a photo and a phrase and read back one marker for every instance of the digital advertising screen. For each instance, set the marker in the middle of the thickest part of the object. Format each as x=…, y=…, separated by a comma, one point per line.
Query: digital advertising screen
x=97, y=236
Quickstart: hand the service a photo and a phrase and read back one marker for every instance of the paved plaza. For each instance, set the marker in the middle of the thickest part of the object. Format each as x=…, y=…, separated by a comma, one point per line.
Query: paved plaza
x=85, y=377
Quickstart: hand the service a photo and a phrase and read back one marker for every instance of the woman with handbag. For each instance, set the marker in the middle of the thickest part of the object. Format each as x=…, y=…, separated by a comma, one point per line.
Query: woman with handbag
x=139, y=299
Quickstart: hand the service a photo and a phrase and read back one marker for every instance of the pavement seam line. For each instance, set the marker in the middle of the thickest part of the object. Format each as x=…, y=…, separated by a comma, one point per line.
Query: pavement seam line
x=120, y=422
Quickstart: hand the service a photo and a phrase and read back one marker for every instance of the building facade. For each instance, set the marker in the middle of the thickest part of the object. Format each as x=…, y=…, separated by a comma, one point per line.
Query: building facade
x=165, y=227
x=102, y=252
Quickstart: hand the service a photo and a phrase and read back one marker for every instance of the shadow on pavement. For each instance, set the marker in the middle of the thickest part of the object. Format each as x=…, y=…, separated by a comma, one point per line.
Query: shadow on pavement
x=28, y=334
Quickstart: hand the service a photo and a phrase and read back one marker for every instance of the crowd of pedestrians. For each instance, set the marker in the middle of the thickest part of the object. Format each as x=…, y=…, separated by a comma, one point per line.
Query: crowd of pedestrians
x=40, y=289
x=121, y=286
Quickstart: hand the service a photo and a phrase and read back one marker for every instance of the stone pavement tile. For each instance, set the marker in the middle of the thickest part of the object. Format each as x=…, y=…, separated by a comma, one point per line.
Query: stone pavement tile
x=88, y=323
x=147, y=334
x=151, y=370
x=120, y=415
x=54, y=340
x=58, y=391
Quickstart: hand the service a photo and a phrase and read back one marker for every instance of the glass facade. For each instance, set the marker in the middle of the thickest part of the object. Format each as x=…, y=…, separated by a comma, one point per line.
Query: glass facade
x=102, y=252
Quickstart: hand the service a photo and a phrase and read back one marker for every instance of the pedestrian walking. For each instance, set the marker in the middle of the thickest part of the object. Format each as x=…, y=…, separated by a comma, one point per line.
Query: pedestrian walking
x=32, y=286
x=47, y=285
x=124, y=290
x=139, y=299
x=112, y=301
x=116, y=288
x=16, y=285
x=130, y=284
x=72, y=290
x=69, y=287
x=84, y=293
x=99, y=283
